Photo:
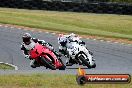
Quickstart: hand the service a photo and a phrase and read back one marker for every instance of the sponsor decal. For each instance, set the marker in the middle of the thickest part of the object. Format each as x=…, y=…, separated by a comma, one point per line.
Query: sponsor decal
x=83, y=78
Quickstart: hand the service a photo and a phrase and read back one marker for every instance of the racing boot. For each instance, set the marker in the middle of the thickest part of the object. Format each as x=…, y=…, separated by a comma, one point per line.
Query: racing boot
x=34, y=63
x=34, y=66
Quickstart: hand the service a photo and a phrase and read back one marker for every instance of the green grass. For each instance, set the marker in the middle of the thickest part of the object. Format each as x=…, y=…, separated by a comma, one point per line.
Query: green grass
x=49, y=81
x=121, y=1
x=105, y=25
x=5, y=67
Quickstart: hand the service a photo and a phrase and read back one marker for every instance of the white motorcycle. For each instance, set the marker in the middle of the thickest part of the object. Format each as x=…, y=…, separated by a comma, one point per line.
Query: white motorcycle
x=80, y=55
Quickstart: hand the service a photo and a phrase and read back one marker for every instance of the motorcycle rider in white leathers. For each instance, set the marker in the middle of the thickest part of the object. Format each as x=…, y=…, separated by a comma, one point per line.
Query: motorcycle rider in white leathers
x=29, y=43
x=64, y=42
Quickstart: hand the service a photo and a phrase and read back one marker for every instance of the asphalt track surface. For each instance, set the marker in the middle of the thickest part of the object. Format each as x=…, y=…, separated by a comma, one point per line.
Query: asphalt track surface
x=110, y=57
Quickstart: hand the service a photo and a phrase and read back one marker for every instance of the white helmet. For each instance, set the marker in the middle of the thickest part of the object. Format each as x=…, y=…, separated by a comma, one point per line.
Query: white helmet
x=72, y=37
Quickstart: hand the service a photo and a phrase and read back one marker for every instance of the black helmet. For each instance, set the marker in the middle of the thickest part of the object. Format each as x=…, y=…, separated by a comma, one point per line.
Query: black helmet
x=63, y=43
x=26, y=38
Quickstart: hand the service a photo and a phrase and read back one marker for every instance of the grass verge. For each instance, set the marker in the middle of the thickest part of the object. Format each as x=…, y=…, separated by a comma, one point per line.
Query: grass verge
x=49, y=81
x=120, y=1
x=103, y=25
x=5, y=66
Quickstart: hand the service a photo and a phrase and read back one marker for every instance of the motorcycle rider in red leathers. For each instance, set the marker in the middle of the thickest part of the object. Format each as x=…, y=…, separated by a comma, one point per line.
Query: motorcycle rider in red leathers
x=29, y=43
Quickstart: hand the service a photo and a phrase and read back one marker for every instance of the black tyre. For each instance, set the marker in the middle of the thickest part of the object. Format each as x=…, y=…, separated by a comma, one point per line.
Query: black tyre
x=63, y=67
x=48, y=63
x=84, y=61
x=93, y=66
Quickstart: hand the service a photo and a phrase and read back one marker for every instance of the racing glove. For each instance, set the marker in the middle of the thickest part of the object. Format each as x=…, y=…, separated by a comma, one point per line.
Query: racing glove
x=27, y=56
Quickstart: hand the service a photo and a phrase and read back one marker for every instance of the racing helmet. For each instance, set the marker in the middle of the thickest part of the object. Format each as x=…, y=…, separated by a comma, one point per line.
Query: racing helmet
x=26, y=38
x=62, y=40
x=61, y=35
x=72, y=37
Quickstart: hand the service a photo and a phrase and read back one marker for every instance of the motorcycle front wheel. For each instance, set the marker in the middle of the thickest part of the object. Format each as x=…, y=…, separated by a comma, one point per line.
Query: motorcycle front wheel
x=48, y=63
x=94, y=65
x=84, y=61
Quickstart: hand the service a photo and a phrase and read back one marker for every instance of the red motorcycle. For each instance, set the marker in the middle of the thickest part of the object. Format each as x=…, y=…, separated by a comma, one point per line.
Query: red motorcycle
x=45, y=57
